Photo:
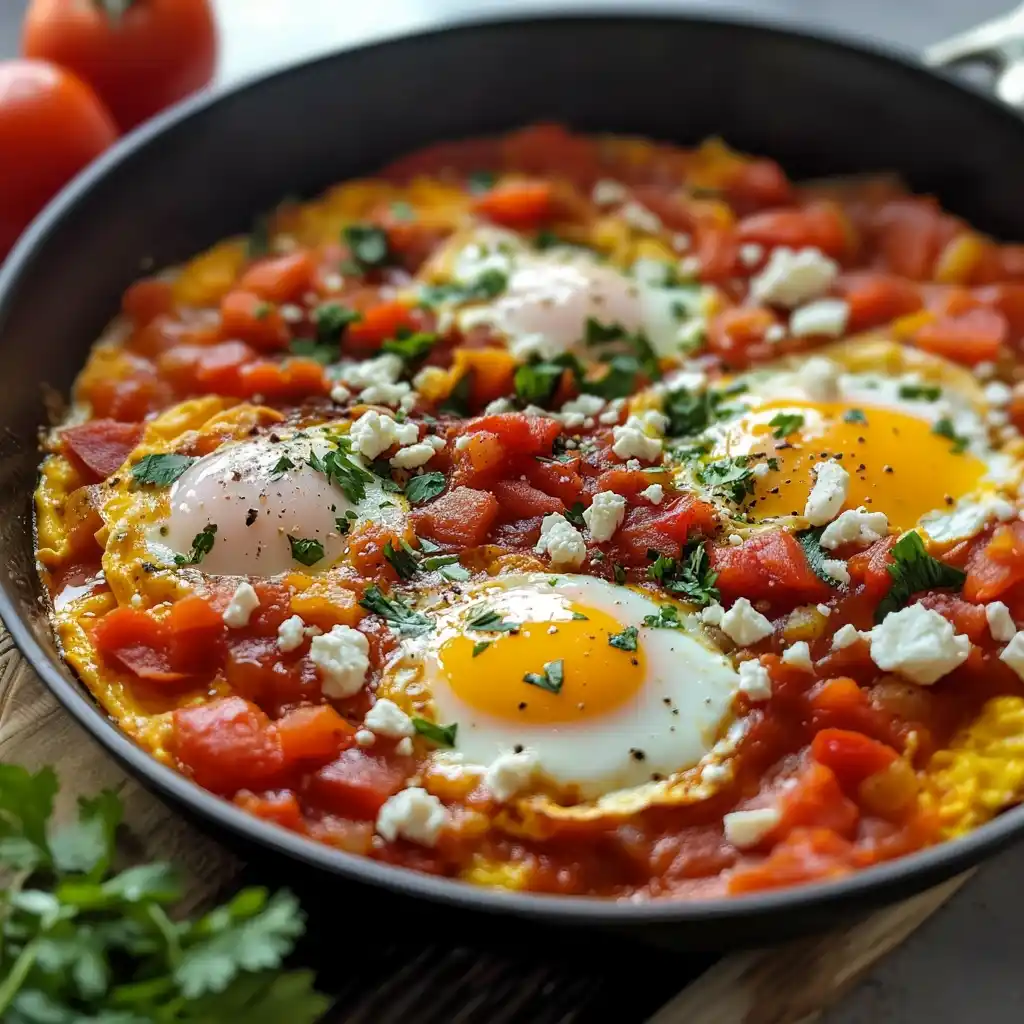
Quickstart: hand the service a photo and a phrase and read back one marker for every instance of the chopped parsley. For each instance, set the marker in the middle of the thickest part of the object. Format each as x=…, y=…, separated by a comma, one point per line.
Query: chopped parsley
x=448, y=564
x=920, y=392
x=202, y=545
x=810, y=541
x=945, y=428
x=667, y=618
x=580, y=617
x=457, y=402
x=489, y=285
x=480, y=646
x=575, y=515
x=368, y=247
x=441, y=735
x=618, y=573
x=854, y=416
x=281, y=467
x=424, y=487
x=689, y=576
x=785, y=423
x=481, y=181
x=401, y=210
x=402, y=559
x=331, y=320
x=691, y=412
x=643, y=356
x=913, y=570
x=731, y=477
x=619, y=379
x=547, y=239
x=160, y=470
x=398, y=615
x=550, y=679
x=306, y=550
x=410, y=346
x=535, y=383
x=262, y=310
x=343, y=472
x=310, y=349
x=490, y=621
x=624, y=641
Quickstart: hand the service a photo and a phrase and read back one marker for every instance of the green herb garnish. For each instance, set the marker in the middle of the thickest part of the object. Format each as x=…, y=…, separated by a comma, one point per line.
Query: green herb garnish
x=667, y=618
x=331, y=320
x=535, y=383
x=310, y=349
x=411, y=347
x=810, y=541
x=550, y=679
x=481, y=181
x=424, y=487
x=691, y=412
x=202, y=545
x=731, y=477
x=785, y=423
x=281, y=467
x=489, y=621
x=402, y=559
x=306, y=550
x=624, y=641
x=343, y=472
x=399, y=616
x=689, y=576
x=921, y=392
x=854, y=416
x=457, y=402
x=618, y=573
x=480, y=646
x=945, y=428
x=442, y=735
x=368, y=246
x=160, y=470
x=913, y=570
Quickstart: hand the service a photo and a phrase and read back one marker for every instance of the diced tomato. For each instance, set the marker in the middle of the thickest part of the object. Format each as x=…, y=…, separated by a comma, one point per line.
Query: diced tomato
x=519, y=433
x=314, y=734
x=517, y=204
x=664, y=528
x=851, y=756
x=757, y=184
x=769, y=566
x=379, y=323
x=733, y=332
x=249, y=318
x=146, y=300
x=101, y=446
x=288, y=381
x=627, y=482
x=280, y=278
x=805, y=855
x=870, y=568
x=550, y=149
x=128, y=398
x=839, y=696
x=907, y=232
x=819, y=225
x=367, y=549
x=480, y=460
x=876, y=298
x=227, y=745
x=356, y=784
x=968, y=619
x=279, y=806
x=195, y=634
x=562, y=479
x=816, y=799
x=976, y=336
x=995, y=567
x=1008, y=298
x=520, y=500
x=717, y=249
x=137, y=642
x=461, y=518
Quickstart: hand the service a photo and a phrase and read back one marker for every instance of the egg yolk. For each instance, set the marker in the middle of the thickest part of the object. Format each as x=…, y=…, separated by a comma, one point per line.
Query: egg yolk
x=897, y=463
x=596, y=676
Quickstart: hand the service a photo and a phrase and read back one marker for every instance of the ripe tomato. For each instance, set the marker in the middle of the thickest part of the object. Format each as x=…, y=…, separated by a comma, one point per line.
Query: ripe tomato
x=139, y=55
x=51, y=126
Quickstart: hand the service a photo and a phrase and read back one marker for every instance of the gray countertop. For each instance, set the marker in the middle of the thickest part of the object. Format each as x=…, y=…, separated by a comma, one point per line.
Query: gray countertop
x=927, y=977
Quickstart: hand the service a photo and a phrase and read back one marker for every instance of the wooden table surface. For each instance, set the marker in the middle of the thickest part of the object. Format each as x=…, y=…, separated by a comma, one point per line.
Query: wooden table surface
x=470, y=971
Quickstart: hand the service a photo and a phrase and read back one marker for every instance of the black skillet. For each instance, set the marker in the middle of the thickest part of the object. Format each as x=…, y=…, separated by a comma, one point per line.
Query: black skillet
x=819, y=106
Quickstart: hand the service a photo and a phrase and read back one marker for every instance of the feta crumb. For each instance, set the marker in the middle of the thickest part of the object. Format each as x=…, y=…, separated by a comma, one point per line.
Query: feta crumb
x=607, y=192
x=799, y=656
x=831, y=484
x=243, y=603
x=751, y=253
x=437, y=443
x=984, y=371
x=1013, y=653
x=774, y=334
x=745, y=829
x=291, y=633
x=498, y=406
x=845, y=636
x=509, y=774
x=374, y=433
x=340, y=394
x=640, y=218
x=754, y=682
x=655, y=494
x=760, y=470
x=605, y=515
x=837, y=570
x=998, y=393
x=632, y=442
x=823, y=609
x=576, y=412
x=818, y=378
x=365, y=738
x=342, y=656
x=735, y=539
x=415, y=455
x=681, y=241
x=386, y=718
x=967, y=520
x=136, y=601
x=653, y=422
x=560, y=540
x=823, y=318
x=412, y=814
x=918, y=643
x=855, y=526
x=462, y=442
x=404, y=747
x=383, y=369
x=791, y=278
x=1000, y=622
x=712, y=615
x=612, y=412
x=744, y=624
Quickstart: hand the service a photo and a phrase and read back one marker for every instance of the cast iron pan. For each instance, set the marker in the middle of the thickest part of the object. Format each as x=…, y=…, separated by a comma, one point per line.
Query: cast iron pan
x=817, y=105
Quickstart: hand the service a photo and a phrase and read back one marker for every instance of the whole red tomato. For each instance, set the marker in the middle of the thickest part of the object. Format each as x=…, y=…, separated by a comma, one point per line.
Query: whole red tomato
x=51, y=126
x=139, y=55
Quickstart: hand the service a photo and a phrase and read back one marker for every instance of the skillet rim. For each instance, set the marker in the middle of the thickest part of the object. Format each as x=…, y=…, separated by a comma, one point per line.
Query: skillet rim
x=881, y=883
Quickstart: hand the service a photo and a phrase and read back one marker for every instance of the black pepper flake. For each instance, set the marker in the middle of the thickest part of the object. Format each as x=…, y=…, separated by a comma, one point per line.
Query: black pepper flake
x=517, y=749
x=637, y=755
x=250, y=516
x=275, y=438
x=522, y=705
x=634, y=661
x=888, y=469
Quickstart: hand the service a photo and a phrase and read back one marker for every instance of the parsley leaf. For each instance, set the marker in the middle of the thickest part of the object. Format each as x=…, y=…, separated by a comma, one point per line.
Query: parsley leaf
x=442, y=735
x=202, y=545
x=854, y=416
x=310, y=349
x=306, y=550
x=810, y=541
x=618, y=381
x=331, y=319
x=480, y=646
x=424, y=487
x=618, y=573
x=481, y=181
x=913, y=570
x=457, y=402
x=547, y=239
x=691, y=412
x=160, y=470
x=402, y=559
x=731, y=477
x=785, y=423
x=368, y=246
x=489, y=285
x=550, y=679
x=535, y=383
x=645, y=356
x=667, y=618
x=399, y=616
x=945, y=428
x=411, y=347
x=343, y=472
x=921, y=392
x=281, y=467
x=624, y=641
x=489, y=621
x=690, y=576
x=575, y=515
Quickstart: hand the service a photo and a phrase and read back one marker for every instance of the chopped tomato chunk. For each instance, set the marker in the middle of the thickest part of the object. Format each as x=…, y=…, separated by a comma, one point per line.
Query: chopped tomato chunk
x=356, y=784
x=249, y=318
x=480, y=460
x=805, y=855
x=976, y=336
x=519, y=204
x=769, y=566
x=664, y=528
x=381, y=322
x=316, y=733
x=851, y=755
x=519, y=434
x=279, y=806
x=137, y=642
x=815, y=798
x=461, y=518
x=195, y=634
x=146, y=300
x=101, y=446
x=520, y=500
x=819, y=225
x=280, y=278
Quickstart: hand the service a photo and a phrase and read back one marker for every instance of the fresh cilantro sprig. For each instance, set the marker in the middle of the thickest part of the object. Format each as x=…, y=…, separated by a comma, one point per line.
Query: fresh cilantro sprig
x=202, y=545
x=368, y=248
x=785, y=423
x=692, y=411
x=81, y=942
x=423, y=488
x=624, y=641
x=160, y=470
x=398, y=615
x=306, y=550
x=550, y=679
x=343, y=472
x=945, y=428
x=667, y=618
x=440, y=735
x=731, y=477
x=810, y=541
x=402, y=558
x=912, y=570
x=691, y=576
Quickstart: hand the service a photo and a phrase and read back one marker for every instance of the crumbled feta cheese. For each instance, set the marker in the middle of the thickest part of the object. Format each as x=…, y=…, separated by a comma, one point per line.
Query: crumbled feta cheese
x=825, y=318
x=967, y=520
x=745, y=829
x=998, y=393
x=340, y=394
x=1013, y=654
x=640, y=218
x=415, y=455
x=845, y=636
x=498, y=406
x=412, y=814
x=691, y=335
x=831, y=484
x=634, y=465
x=799, y=656
x=607, y=192
x=395, y=396
x=918, y=643
x=1000, y=622
x=342, y=656
x=291, y=633
x=655, y=494
x=365, y=738
x=818, y=378
x=462, y=442
x=984, y=371
x=712, y=615
x=291, y=313
x=754, y=682
x=744, y=624
x=823, y=609
x=632, y=441
x=605, y=515
x=855, y=526
x=653, y=422
x=243, y=603
x=790, y=278
x=681, y=242
x=509, y=774
x=561, y=541
x=576, y=412
x=735, y=539
x=751, y=253
x=774, y=334
x=374, y=433
x=136, y=601
x=612, y=412
x=383, y=369
x=437, y=443
x=760, y=470
x=836, y=569
x=386, y=718
x=404, y=747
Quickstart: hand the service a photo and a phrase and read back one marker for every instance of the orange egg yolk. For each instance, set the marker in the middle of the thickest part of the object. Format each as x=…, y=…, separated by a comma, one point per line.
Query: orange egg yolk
x=897, y=463
x=597, y=677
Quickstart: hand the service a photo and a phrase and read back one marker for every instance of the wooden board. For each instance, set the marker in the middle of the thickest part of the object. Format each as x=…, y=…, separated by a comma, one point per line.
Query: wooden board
x=398, y=977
